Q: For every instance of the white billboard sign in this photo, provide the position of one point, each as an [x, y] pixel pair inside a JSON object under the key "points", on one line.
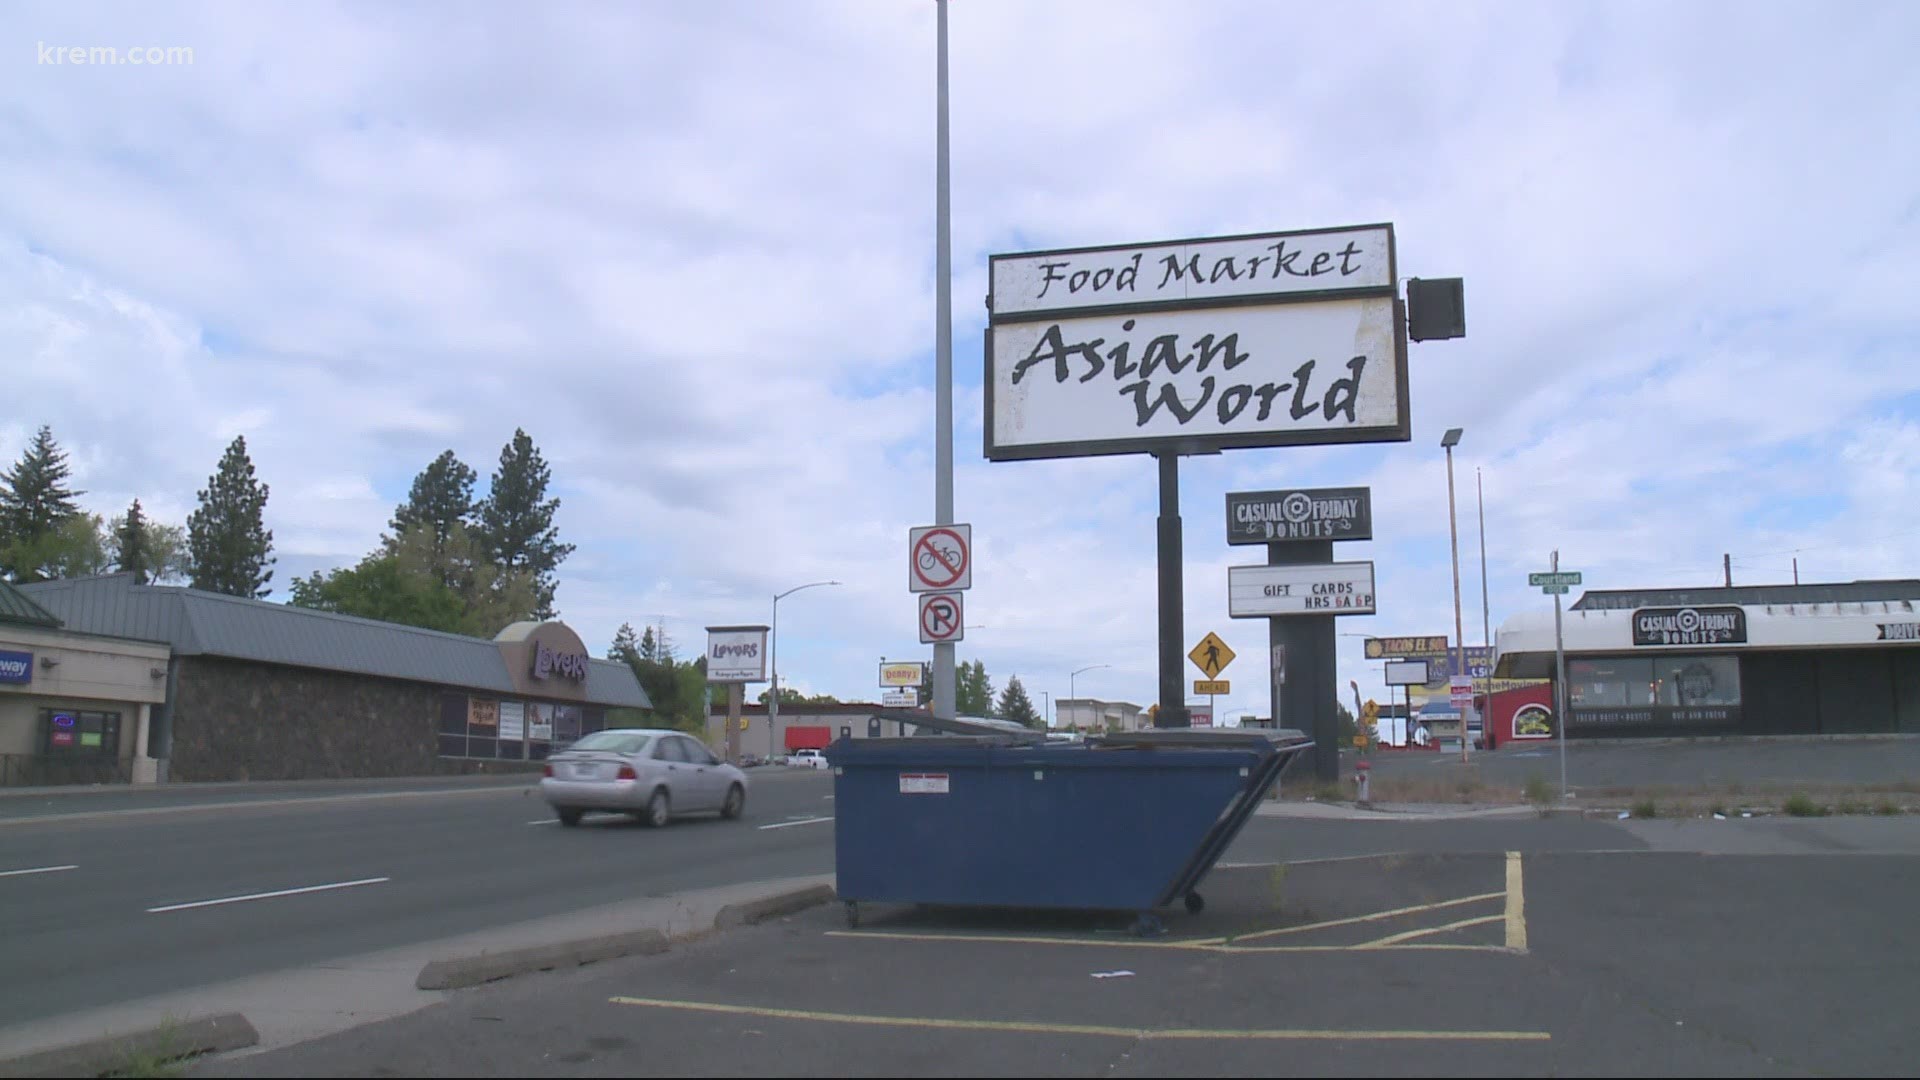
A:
{"points": [[736, 654], [1406, 673], [1261, 375], [1183, 272], [901, 699], [1341, 588]]}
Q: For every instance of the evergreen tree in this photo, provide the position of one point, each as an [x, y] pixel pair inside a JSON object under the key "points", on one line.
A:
{"points": [[132, 554], [34, 502], [440, 502], [972, 690], [232, 549], [625, 645], [516, 519], [1016, 706]]}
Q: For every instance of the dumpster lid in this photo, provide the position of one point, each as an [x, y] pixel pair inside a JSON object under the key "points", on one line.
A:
{"points": [[1202, 737], [977, 728]]}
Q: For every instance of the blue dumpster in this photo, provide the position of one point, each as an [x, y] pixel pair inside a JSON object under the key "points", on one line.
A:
{"points": [[1130, 823]]}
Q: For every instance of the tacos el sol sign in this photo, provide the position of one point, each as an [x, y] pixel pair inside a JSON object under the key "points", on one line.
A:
{"points": [[1725, 625]]}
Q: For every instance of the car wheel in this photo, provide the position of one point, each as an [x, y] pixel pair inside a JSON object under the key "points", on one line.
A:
{"points": [[569, 816], [659, 810], [736, 803]]}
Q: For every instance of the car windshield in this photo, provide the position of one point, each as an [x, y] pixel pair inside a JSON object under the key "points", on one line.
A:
{"points": [[614, 742]]}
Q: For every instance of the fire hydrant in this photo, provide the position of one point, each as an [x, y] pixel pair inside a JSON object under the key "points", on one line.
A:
{"points": [[1360, 776]]}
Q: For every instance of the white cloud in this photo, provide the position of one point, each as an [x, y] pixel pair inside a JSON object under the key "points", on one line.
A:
{"points": [[688, 248]]}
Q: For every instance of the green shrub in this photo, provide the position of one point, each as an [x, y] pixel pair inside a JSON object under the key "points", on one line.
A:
{"points": [[1799, 804], [1646, 808]]}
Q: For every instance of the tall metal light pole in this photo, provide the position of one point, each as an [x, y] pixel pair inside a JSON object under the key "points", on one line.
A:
{"points": [[943, 696], [1448, 442], [1486, 617], [773, 658], [1076, 674]]}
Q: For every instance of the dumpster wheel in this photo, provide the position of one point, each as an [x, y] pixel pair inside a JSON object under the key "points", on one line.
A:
{"points": [[853, 914], [1196, 903]]}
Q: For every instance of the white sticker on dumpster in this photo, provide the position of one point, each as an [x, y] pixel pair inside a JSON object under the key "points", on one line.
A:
{"points": [[923, 783]]}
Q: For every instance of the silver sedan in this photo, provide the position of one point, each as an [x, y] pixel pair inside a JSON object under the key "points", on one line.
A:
{"points": [[653, 774]]}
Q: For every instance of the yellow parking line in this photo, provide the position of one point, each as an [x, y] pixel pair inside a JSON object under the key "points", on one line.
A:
{"points": [[1109, 1031], [1212, 945], [1376, 916], [1395, 939], [1516, 905]]}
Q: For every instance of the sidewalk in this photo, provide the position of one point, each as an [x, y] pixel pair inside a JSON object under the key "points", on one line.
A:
{"points": [[1387, 811]]}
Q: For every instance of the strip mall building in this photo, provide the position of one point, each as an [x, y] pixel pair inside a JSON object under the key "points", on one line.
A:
{"points": [[1749, 660], [104, 679]]}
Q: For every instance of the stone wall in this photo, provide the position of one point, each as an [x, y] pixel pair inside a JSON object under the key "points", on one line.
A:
{"points": [[238, 720]]}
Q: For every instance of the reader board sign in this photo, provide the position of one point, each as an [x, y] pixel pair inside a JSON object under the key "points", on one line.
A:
{"points": [[901, 699], [1266, 517], [1341, 588], [1406, 673], [923, 783], [736, 654], [1272, 340]]}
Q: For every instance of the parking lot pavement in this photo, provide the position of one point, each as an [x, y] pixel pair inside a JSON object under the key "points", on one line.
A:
{"points": [[1494, 963], [1689, 764]]}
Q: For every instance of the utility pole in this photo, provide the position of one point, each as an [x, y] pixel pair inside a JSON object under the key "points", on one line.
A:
{"points": [[943, 703], [1726, 565]]}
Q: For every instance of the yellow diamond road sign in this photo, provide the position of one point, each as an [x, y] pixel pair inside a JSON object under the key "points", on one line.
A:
{"points": [[1211, 655]]}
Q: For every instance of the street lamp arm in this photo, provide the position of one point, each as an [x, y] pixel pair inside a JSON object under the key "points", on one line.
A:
{"points": [[777, 597]]}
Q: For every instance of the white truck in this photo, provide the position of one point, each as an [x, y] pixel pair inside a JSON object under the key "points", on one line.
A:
{"points": [[807, 759]]}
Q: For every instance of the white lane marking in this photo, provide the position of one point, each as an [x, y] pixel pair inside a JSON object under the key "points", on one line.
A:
{"points": [[802, 821], [545, 821], [39, 870], [268, 895]]}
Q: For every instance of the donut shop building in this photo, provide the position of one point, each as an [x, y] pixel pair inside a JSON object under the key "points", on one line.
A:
{"points": [[1817, 659]]}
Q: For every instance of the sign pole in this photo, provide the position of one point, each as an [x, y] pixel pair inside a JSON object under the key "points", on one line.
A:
{"points": [[735, 692], [943, 689], [1560, 683], [1173, 699]]}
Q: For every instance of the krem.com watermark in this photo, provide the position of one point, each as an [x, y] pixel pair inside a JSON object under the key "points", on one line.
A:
{"points": [[151, 55]]}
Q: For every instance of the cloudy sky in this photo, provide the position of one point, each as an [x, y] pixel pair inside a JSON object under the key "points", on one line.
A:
{"points": [[689, 247]]}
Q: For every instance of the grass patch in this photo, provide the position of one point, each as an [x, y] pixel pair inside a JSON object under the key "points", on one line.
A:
{"points": [[1887, 808], [1646, 808], [161, 1056], [1799, 804], [1538, 792], [1325, 792]]}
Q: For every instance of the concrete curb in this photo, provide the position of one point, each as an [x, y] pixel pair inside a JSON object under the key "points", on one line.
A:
{"points": [[474, 970], [772, 907], [207, 1035], [458, 972]]}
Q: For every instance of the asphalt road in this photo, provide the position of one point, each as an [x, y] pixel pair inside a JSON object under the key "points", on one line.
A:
{"points": [[1559, 962], [79, 878]]}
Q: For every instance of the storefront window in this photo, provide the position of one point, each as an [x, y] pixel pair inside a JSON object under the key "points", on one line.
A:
{"points": [[71, 733], [1697, 680], [1610, 683]]}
